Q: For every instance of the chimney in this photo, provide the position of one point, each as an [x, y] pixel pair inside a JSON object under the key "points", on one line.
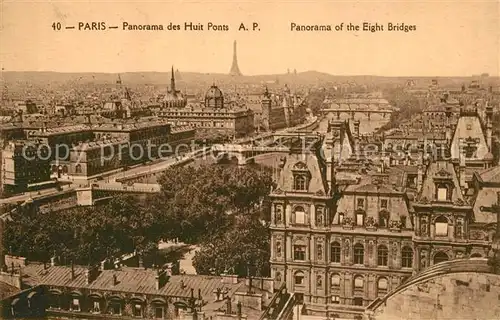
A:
{"points": [[228, 305], [461, 169], [161, 279], [52, 261], [238, 307], [115, 280], [489, 126], [72, 270], [91, 273]]}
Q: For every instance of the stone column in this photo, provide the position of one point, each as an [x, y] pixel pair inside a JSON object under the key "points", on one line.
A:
{"points": [[288, 247], [311, 252], [312, 215], [288, 214]]}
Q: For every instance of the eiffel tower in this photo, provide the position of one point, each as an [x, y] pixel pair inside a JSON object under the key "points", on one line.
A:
{"points": [[235, 71]]}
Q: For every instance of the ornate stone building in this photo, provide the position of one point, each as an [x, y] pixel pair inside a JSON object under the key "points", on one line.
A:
{"points": [[212, 117], [343, 235]]}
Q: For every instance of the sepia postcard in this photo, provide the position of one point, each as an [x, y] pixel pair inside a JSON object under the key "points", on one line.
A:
{"points": [[241, 160]]}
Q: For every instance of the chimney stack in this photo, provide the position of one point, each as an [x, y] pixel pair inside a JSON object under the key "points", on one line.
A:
{"points": [[115, 280], [52, 261], [72, 270], [463, 184], [161, 279], [238, 306], [228, 305]]}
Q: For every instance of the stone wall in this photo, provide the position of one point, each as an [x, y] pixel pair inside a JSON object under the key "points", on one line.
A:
{"points": [[466, 295]]}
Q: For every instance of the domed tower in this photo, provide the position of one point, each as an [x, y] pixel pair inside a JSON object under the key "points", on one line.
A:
{"points": [[214, 98]]}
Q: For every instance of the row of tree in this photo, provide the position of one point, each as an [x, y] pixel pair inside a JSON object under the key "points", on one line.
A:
{"points": [[220, 208]]}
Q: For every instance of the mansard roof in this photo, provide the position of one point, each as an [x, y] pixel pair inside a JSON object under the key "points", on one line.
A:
{"points": [[440, 171], [309, 162], [491, 175]]}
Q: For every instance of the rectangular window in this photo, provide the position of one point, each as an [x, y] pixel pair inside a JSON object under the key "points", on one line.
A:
{"points": [[403, 221], [300, 217], [75, 305], [361, 203], [299, 253], [97, 307], [383, 204], [442, 194], [115, 308], [137, 310], [358, 301], [441, 228], [360, 219], [341, 218], [159, 313], [335, 299]]}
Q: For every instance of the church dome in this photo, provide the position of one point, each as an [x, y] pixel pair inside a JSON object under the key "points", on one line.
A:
{"points": [[214, 98]]}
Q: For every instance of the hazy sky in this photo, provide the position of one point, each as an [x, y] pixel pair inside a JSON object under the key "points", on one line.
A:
{"points": [[452, 37]]}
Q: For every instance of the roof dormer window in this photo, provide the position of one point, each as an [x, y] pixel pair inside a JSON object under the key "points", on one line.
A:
{"points": [[443, 192], [301, 177]]}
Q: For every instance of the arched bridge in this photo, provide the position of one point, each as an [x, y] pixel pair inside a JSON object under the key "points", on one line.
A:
{"points": [[243, 153], [356, 114]]}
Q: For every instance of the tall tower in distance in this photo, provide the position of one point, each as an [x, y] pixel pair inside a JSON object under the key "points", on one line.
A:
{"points": [[235, 70], [172, 83]]}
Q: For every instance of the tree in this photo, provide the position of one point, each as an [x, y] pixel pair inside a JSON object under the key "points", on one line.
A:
{"points": [[194, 204], [247, 242], [84, 234]]}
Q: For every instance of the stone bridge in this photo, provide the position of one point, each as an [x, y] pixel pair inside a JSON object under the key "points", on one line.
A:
{"points": [[244, 153], [356, 114]]}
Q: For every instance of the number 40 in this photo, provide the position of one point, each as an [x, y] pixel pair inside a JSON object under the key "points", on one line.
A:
{"points": [[56, 26]]}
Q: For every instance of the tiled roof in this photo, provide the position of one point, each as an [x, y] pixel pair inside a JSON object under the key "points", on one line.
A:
{"points": [[7, 290], [491, 175], [486, 197], [131, 280]]}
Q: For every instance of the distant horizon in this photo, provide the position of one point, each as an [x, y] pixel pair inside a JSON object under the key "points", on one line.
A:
{"points": [[477, 75], [450, 39]]}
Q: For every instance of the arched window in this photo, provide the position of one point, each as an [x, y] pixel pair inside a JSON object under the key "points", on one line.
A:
{"points": [[78, 168], [382, 286], [335, 280], [359, 282], [441, 226], [300, 215], [299, 183], [382, 255], [407, 257], [335, 252], [299, 278], [440, 257], [54, 168], [359, 254], [65, 169]]}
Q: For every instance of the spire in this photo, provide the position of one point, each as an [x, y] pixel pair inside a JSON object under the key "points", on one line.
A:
{"points": [[172, 82], [235, 70]]}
